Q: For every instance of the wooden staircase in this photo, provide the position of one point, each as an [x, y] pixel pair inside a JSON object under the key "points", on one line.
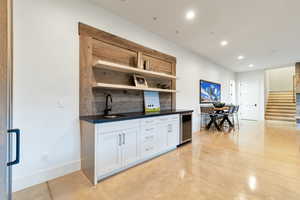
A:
{"points": [[281, 106]]}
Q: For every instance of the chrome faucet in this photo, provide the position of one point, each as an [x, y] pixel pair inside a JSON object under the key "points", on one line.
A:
{"points": [[108, 104]]}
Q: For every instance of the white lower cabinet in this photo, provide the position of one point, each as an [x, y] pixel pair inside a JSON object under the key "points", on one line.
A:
{"points": [[168, 132], [116, 150], [130, 152], [173, 133], [126, 143], [108, 152], [162, 137]]}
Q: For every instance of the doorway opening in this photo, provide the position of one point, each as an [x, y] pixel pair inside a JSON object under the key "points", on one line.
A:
{"points": [[280, 93]]}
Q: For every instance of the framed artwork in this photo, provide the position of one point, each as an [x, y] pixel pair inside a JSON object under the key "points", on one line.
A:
{"points": [[140, 81], [151, 101], [209, 92]]}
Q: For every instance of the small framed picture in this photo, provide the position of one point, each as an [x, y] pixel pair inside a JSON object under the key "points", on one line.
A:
{"points": [[140, 81]]}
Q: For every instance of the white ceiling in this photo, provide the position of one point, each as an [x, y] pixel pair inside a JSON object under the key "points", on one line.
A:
{"points": [[266, 32]]}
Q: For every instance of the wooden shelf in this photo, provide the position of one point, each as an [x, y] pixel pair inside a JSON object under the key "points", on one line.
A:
{"points": [[127, 87], [123, 68]]}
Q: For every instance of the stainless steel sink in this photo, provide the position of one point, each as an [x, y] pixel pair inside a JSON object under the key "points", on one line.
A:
{"points": [[112, 116]]}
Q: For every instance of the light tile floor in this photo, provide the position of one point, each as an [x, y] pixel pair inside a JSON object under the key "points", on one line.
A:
{"points": [[260, 161]]}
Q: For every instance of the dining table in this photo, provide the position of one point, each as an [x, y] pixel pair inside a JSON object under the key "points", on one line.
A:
{"points": [[225, 117], [225, 108]]}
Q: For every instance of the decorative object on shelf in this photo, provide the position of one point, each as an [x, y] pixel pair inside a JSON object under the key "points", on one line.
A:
{"points": [[139, 63], [140, 81], [209, 92], [151, 101], [146, 64], [163, 86]]}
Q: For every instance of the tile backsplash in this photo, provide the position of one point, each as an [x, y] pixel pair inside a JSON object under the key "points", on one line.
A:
{"points": [[126, 101]]}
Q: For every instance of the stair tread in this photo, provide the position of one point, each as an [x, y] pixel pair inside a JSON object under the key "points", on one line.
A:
{"points": [[281, 94], [279, 98], [287, 94], [281, 111], [288, 91], [282, 100], [279, 115], [281, 106], [280, 118], [281, 103]]}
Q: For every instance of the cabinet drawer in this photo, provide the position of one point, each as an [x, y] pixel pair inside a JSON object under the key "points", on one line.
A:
{"points": [[150, 138], [148, 129], [148, 121], [174, 117], [163, 119], [148, 149], [117, 126], [167, 118]]}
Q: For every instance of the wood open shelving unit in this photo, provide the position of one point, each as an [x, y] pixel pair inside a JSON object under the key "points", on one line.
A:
{"points": [[128, 87], [107, 65], [102, 64]]}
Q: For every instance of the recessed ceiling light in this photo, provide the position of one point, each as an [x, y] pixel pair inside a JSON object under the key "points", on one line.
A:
{"points": [[224, 43], [240, 57], [190, 15], [251, 65]]}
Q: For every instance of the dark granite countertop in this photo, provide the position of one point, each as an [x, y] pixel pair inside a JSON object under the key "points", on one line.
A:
{"points": [[95, 119]]}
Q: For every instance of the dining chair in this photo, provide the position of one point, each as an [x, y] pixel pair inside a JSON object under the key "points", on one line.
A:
{"points": [[209, 114], [205, 112], [230, 114], [236, 115]]}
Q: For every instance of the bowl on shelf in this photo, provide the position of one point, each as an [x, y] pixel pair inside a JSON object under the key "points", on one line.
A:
{"points": [[218, 104]]}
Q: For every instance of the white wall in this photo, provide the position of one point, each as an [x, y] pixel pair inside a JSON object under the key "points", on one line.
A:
{"points": [[259, 76], [280, 79], [46, 86]]}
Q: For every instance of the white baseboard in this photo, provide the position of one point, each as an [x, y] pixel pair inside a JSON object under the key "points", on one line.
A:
{"points": [[42, 176]]}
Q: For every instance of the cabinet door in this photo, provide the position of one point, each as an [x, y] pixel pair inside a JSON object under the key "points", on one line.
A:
{"points": [[130, 146], [162, 137], [173, 133], [108, 152]]}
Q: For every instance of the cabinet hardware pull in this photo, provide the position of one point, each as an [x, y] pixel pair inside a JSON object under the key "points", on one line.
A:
{"points": [[123, 138], [120, 142], [149, 137], [17, 132]]}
